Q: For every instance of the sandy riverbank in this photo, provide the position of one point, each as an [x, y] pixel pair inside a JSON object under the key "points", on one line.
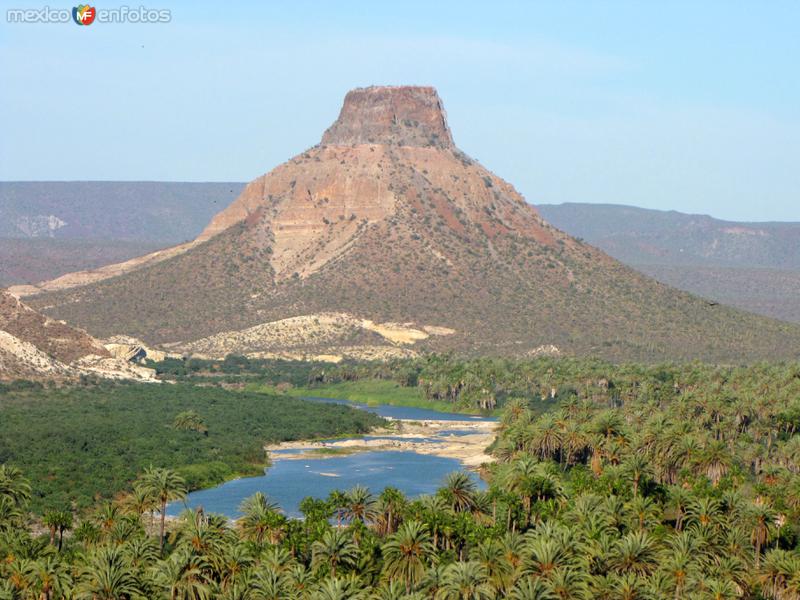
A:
{"points": [[404, 435]]}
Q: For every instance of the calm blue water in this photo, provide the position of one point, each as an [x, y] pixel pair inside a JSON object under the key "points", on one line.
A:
{"points": [[287, 482], [404, 412]]}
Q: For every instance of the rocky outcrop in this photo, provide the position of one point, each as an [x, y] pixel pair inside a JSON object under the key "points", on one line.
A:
{"points": [[304, 336], [22, 360], [393, 116], [132, 350], [55, 338], [112, 368], [33, 346]]}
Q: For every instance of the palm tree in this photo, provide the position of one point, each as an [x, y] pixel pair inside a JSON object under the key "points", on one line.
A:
{"points": [[139, 501], [140, 552], [705, 511], [164, 485], [530, 588], [337, 501], [635, 553], [777, 571], [489, 553], [435, 512], [260, 518], [645, 512], [14, 486], [107, 576], [716, 589], [334, 550], [185, 576], [202, 535], [520, 479], [337, 589], [638, 467], [407, 553], [568, 584], [545, 440], [391, 502], [268, 584], [459, 491], [11, 515], [715, 461], [19, 575], [544, 554], [602, 587], [360, 505], [57, 521], [761, 518], [465, 581], [106, 516], [629, 586], [87, 534], [191, 421], [51, 578], [680, 563]]}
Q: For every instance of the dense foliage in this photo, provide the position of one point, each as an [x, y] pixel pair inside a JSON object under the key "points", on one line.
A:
{"points": [[488, 383], [235, 369], [645, 483], [77, 443]]}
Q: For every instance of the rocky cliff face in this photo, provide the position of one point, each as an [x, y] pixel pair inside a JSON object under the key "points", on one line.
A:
{"points": [[394, 116], [386, 221]]}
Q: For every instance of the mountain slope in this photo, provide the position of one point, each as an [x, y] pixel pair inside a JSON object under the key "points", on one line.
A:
{"points": [[642, 236], [386, 220], [27, 261], [752, 266]]}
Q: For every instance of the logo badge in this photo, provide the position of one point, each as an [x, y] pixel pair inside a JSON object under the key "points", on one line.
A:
{"points": [[83, 14]]}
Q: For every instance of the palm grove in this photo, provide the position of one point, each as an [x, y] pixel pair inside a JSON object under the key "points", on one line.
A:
{"points": [[643, 482]]}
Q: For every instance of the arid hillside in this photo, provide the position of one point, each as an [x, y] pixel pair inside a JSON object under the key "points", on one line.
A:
{"points": [[33, 346], [387, 221]]}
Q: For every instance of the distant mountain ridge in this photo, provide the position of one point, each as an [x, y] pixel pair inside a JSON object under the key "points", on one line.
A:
{"points": [[141, 211], [51, 228], [642, 236], [386, 236], [752, 266]]}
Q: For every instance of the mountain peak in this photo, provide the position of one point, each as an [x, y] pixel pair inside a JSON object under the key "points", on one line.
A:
{"points": [[391, 115]]}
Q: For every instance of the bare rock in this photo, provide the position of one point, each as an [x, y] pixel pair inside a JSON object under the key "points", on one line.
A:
{"points": [[392, 115]]}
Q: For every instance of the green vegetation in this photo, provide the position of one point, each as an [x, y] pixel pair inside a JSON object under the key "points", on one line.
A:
{"points": [[334, 451], [376, 391], [78, 443], [646, 483], [443, 382], [235, 369], [369, 391]]}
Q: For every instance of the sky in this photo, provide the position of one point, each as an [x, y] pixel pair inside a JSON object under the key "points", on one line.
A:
{"points": [[688, 106]]}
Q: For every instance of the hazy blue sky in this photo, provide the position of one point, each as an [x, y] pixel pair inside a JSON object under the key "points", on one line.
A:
{"points": [[693, 107]]}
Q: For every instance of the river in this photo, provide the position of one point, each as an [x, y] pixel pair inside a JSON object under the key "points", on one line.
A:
{"points": [[415, 458]]}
